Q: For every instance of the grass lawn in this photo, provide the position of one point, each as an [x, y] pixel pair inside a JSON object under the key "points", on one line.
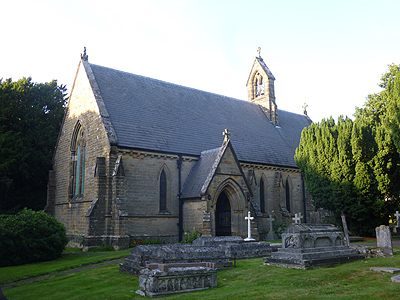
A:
{"points": [[66, 262], [250, 280]]}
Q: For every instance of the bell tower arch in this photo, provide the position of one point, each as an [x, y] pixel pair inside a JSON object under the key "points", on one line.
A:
{"points": [[261, 90]]}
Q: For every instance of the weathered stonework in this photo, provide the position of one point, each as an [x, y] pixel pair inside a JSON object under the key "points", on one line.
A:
{"points": [[122, 186], [307, 246], [162, 280]]}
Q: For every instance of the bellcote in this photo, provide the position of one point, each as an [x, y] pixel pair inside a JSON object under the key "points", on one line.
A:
{"points": [[260, 88]]}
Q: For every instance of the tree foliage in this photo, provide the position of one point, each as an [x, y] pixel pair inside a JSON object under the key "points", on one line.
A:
{"points": [[30, 119], [353, 166]]}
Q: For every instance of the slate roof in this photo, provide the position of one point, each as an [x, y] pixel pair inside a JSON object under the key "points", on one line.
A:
{"points": [[200, 172], [154, 115]]}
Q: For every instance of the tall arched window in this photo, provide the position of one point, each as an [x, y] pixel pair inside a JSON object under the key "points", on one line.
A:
{"points": [[78, 161], [163, 191], [287, 192], [262, 195]]}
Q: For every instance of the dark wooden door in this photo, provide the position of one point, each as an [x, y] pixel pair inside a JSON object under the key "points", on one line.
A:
{"points": [[223, 216]]}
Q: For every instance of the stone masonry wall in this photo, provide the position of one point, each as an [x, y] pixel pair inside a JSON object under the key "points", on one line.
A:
{"points": [[81, 107], [141, 194]]}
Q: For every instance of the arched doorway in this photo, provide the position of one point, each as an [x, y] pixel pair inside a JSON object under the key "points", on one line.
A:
{"points": [[223, 216]]}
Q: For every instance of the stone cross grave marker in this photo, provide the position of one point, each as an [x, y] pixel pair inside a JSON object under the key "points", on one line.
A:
{"points": [[397, 215], [297, 218], [249, 218], [270, 235]]}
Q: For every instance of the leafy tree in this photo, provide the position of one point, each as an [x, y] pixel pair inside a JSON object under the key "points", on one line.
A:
{"points": [[30, 119], [353, 166]]}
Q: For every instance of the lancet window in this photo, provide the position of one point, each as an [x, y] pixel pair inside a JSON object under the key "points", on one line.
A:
{"points": [[78, 161]]}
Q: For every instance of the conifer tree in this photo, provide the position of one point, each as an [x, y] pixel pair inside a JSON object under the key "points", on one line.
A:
{"points": [[353, 166]]}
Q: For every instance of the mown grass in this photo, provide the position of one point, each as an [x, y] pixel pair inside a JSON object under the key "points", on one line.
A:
{"points": [[66, 262], [250, 280]]}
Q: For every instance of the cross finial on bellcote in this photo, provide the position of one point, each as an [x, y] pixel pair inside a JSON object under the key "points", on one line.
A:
{"points": [[84, 56], [305, 109], [226, 133], [259, 52]]}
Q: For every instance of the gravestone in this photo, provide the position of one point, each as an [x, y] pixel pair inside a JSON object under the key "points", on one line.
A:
{"points": [[384, 239], [220, 250], [142, 255], [297, 218], [271, 234], [307, 246], [166, 279], [249, 218], [235, 247], [396, 228]]}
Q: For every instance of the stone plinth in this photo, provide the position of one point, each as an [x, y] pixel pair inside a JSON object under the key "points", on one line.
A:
{"points": [[307, 246], [173, 280]]}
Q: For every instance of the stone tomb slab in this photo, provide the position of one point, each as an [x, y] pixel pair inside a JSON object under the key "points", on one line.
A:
{"points": [[385, 269], [235, 247], [142, 255], [396, 279], [307, 246], [167, 279], [219, 250]]}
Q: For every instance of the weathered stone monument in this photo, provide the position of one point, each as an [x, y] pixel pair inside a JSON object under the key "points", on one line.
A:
{"points": [[307, 246], [384, 239], [221, 250], [271, 234], [297, 218], [166, 279], [249, 218], [396, 228]]}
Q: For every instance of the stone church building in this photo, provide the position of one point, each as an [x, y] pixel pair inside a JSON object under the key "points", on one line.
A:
{"points": [[139, 158]]}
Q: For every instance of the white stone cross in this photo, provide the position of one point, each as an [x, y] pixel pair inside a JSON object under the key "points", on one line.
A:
{"points": [[297, 218], [397, 215], [249, 218]]}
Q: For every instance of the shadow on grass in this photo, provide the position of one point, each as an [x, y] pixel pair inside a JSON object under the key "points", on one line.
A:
{"points": [[250, 279]]}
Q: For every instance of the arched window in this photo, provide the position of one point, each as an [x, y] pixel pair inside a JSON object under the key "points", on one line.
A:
{"points": [[78, 161], [163, 191], [262, 195], [259, 85], [287, 192]]}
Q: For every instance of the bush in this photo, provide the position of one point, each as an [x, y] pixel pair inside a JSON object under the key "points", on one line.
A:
{"points": [[30, 236], [134, 243], [189, 237]]}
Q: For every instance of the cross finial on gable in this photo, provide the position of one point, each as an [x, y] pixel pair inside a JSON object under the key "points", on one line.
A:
{"points": [[259, 52], [84, 56], [226, 133]]}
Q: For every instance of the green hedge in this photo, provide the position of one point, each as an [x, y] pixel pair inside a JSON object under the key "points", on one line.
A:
{"points": [[30, 236]]}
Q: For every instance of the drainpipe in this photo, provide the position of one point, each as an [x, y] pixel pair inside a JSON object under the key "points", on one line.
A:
{"points": [[180, 222], [304, 198]]}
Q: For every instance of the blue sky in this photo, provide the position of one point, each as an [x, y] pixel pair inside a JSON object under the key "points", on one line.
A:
{"points": [[329, 54]]}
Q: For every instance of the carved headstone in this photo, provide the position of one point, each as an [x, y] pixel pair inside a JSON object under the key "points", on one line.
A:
{"points": [[384, 239]]}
